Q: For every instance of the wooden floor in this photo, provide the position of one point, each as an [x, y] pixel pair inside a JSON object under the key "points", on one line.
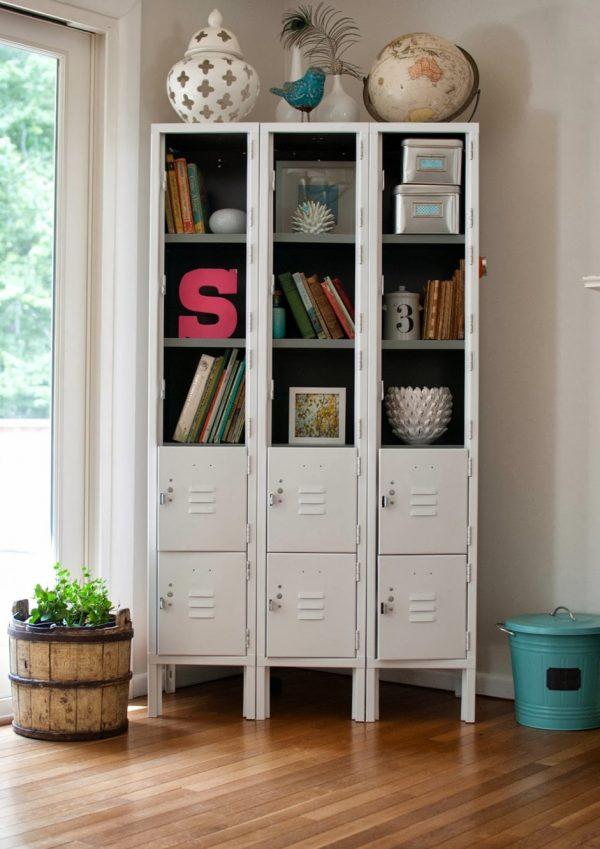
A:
{"points": [[202, 777]]}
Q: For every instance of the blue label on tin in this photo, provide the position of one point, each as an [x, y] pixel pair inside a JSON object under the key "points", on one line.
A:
{"points": [[427, 210], [432, 163]]}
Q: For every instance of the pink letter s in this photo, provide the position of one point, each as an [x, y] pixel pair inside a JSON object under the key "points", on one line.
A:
{"points": [[190, 295]]}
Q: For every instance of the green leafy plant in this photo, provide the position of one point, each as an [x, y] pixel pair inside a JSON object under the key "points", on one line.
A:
{"points": [[72, 602], [324, 34]]}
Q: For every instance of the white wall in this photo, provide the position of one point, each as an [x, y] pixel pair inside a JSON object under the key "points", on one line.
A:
{"points": [[540, 187]]}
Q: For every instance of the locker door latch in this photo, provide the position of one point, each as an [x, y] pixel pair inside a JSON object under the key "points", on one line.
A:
{"points": [[161, 603], [386, 608], [274, 605], [271, 499], [384, 501]]}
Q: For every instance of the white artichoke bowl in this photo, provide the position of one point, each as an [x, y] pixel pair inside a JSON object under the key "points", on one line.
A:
{"points": [[418, 416]]}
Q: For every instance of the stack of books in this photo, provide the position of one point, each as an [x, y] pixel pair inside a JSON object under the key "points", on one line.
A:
{"points": [[186, 204], [321, 309], [214, 410], [444, 307]]}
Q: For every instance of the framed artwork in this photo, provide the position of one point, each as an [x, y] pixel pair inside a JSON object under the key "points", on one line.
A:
{"points": [[331, 183], [317, 415]]}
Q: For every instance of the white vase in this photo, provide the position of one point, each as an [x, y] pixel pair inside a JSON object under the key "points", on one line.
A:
{"points": [[284, 112], [337, 105]]}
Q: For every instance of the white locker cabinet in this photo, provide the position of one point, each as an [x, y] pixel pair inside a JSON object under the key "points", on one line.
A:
{"points": [[202, 500], [312, 499], [311, 608], [423, 501], [422, 607], [202, 604]]}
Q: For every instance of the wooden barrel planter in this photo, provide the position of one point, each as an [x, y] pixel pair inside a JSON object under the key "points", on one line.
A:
{"points": [[69, 683]]}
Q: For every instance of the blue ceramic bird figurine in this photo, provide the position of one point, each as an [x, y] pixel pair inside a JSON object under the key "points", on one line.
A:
{"points": [[306, 93]]}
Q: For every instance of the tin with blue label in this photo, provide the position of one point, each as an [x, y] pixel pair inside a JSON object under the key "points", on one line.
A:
{"points": [[426, 209], [432, 161]]}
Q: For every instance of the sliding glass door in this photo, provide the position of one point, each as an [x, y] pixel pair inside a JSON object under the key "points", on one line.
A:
{"points": [[45, 88]]}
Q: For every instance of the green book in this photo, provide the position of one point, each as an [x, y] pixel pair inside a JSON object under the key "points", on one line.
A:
{"points": [[207, 396], [229, 375], [196, 181], [231, 400], [296, 306]]}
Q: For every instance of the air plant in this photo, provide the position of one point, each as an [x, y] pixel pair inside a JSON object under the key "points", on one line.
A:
{"points": [[324, 34]]}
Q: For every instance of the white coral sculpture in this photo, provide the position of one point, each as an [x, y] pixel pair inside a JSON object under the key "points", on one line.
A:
{"points": [[418, 416], [312, 217]]}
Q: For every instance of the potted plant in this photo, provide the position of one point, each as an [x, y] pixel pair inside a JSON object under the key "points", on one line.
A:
{"points": [[70, 661]]}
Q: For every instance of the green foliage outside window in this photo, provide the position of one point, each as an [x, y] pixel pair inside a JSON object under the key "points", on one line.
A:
{"points": [[27, 140]]}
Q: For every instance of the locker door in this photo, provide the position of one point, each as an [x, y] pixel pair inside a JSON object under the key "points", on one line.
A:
{"points": [[202, 604], [422, 607], [422, 501], [203, 494], [313, 499], [311, 605]]}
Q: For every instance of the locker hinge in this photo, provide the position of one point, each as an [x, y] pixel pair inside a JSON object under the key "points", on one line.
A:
{"points": [[469, 535], [250, 322], [360, 322], [362, 217], [362, 149], [382, 285], [272, 283], [247, 570], [273, 181], [471, 149], [357, 534], [251, 254], [272, 390], [163, 390], [471, 323], [248, 532], [471, 217], [471, 360], [468, 641], [163, 285], [251, 217], [250, 426], [357, 572], [359, 361], [358, 467], [248, 464], [359, 429], [382, 180], [471, 255], [249, 358], [164, 182], [251, 148], [468, 576], [247, 638], [357, 640], [470, 437], [381, 390], [360, 255]]}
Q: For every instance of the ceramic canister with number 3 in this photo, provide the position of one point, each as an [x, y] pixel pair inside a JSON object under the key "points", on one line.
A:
{"points": [[402, 319]]}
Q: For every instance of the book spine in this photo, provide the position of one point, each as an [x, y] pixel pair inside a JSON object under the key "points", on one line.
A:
{"points": [[188, 411], [338, 307], [174, 193], [300, 281], [211, 410], [197, 213], [344, 297], [426, 308], [296, 306], [215, 409], [239, 425], [169, 219], [206, 399], [227, 412], [461, 311], [232, 370], [184, 195], [435, 299], [311, 289], [235, 414], [333, 326]]}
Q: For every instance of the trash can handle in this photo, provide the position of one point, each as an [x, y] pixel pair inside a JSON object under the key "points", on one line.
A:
{"points": [[502, 627], [562, 607]]}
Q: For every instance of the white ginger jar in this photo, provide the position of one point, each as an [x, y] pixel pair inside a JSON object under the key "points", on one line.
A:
{"points": [[213, 82]]}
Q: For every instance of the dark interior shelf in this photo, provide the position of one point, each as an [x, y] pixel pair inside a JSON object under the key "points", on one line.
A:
{"points": [[422, 239], [423, 345], [205, 238], [316, 238], [313, 343], [205, 343]]}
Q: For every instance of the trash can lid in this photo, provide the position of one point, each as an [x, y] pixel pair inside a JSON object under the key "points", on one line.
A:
{"points": [[560, 622]]}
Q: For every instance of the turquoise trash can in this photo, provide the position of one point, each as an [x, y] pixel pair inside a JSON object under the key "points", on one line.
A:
{"points": [[556, 669]]}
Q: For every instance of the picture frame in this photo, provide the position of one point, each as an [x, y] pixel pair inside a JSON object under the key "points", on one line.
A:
{"points": [[317, 415], [329, 182]]}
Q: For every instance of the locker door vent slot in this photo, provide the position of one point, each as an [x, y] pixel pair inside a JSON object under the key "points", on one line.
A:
{"points": [[423, 501], [310, 605], [312, 500], [202, 499], [201, 604], [422, 607]]}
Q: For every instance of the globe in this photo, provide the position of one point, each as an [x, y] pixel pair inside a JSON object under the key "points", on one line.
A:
{"points": [[420, 77]]}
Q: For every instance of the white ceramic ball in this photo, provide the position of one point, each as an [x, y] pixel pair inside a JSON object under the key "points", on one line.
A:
{"points": [[227, 221]]}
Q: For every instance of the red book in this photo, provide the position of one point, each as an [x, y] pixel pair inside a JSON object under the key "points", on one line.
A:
{"points": [[185, 200], [344, 296], [338, 307]]}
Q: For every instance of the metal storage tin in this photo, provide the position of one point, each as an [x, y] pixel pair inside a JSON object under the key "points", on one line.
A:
{"points": [[556, 669], [429, 161], [426, 209]]}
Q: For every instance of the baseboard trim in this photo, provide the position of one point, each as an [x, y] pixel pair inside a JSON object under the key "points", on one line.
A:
{"points": [[6, 713], [185, 676], [496, 685]]}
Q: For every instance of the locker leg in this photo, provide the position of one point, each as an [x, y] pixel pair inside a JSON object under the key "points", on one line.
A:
{"points": [[249, 692], [155, 676], [372, 695], [358, 694], [467, 701], [170, 678], [263, 692]]}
